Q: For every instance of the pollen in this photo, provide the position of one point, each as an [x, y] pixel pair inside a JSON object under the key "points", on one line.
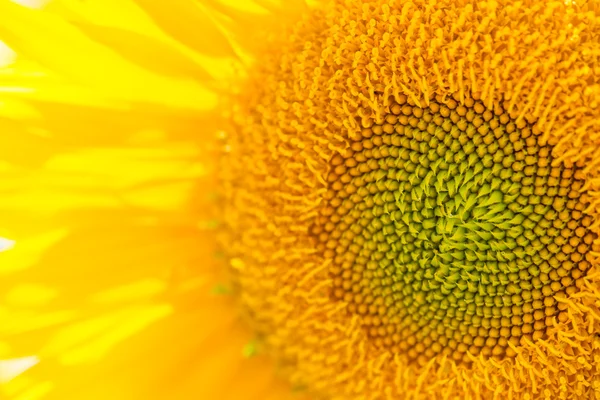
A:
{"points": [[410, 199]]}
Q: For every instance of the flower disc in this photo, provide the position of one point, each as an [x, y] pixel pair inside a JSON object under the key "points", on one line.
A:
{"points": [[450, 231], [411, 200]]}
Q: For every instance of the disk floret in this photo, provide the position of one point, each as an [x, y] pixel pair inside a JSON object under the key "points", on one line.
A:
{"points": [[451, 229]]}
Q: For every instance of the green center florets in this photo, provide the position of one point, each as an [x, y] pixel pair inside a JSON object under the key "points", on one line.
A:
{"points": [[451, 231]]}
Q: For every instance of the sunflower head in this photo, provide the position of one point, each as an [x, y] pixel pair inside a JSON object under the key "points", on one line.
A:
{"points": [[449, 230], [410, 198], [397, 199]]}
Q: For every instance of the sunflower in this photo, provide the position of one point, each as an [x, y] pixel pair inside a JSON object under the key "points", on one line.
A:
{"points": [[376, 199]]}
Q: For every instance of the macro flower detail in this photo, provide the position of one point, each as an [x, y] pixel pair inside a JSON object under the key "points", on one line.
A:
{"points": [[450, 231], [410, 202], [300, 199]]}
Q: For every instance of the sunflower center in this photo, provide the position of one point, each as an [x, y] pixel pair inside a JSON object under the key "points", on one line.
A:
{"points": [[451, 230]]}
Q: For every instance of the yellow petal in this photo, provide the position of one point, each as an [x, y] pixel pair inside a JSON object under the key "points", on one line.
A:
{"points": [[10, 369], [29, 295], [79, 59]]}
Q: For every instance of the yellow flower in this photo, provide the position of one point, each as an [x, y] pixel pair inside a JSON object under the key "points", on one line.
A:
{"points": [[377, 199], [110, 280]]}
